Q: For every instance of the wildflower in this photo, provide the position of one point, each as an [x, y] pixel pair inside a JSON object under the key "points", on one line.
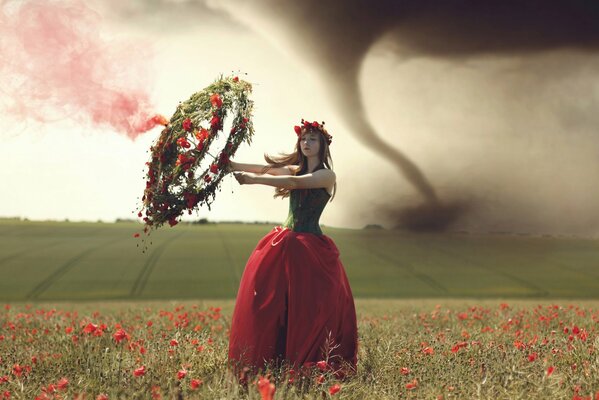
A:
{"points": [[62, 384], [334, 389], [550, 370], [412, 385], [102, 396], [140, 371], [322, 365], [266, 389], [532, 357], [90, 328], [195, 383], [120, 334], [174, 342], [182, 373], [404, 371]]}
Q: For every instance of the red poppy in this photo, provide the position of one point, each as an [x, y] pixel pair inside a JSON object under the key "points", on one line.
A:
{"points": [[102, 396], [266, 389], [136, 235], [120, 335], [140, 371], [62, 384], [214, 168], [532, 357], [315, 124], [412, 385], [90, 328], [334, 389], [216, 101], [207, 178], [236, 79], [181, 374], [174, 342], [322, 365], [404, 370], [173, 221], [187, 125], [17, 370], [298, 130], [195, 383], [550, 370], [214, 121]]}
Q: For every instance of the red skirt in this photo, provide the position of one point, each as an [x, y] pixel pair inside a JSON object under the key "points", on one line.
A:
{"points": [[294, 304]]}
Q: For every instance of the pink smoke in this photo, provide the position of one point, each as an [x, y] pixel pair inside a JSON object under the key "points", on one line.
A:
{"points": [[55, 64]]}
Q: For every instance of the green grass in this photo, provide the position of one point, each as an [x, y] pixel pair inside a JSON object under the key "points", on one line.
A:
{"points": [[45, 261], [408, 349]]}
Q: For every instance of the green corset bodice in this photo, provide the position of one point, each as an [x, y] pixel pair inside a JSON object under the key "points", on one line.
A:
{"points": [[305, 207]]}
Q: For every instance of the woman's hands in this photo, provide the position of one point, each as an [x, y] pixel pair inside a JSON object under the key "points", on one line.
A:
{"points": [[243, 178], [231, 166]]}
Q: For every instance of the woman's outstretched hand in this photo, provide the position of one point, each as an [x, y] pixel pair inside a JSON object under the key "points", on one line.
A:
{"points": [[231, 166], [242, 177]]}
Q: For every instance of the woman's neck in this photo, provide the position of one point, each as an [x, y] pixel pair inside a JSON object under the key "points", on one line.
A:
{"points": [[312, 164]]}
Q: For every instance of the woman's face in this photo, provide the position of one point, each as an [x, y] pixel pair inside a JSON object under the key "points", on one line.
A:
{"points": [[310, 143]]}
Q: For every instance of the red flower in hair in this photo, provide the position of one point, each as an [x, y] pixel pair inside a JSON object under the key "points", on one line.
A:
{"points": [[315, 124], [298, 130]]}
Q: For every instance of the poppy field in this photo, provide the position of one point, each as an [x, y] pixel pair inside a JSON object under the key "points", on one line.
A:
{"points": [[453, 349]]}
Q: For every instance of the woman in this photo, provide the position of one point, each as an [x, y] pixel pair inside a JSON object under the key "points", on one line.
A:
{"points": [[294, 302]]}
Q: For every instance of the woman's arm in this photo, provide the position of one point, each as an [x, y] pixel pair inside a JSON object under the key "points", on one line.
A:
{"points": [[317, 179], [257, 168]]}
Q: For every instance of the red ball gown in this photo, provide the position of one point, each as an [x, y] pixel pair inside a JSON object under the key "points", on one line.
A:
{"points": [[294, 302]]}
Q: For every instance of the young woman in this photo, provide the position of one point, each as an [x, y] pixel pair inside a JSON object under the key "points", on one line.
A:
{"points": [[294, 302]]}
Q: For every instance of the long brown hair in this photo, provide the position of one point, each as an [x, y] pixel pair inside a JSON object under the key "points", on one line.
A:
{"points": [[298, 158]]}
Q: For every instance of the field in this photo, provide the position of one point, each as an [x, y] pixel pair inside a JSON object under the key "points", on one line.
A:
{"points": [[454, 349], [95, 261], [86, 315]]}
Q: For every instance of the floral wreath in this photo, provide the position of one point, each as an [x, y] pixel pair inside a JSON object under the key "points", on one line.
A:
{"points": [[173, 184], [315, 126]]}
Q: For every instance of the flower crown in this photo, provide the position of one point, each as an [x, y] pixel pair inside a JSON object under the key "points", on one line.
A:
{"points": [[318, 126]]}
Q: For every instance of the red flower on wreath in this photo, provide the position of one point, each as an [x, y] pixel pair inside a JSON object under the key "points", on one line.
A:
{"points": [[207, 178], [214, 121], [298, 130], [183, 143], [216, 101], [191, 199], [187, 125], [173, 221], [214, 168], [236, 79]]}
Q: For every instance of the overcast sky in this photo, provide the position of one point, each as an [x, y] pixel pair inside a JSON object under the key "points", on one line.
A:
{"points": [[510, 132]]}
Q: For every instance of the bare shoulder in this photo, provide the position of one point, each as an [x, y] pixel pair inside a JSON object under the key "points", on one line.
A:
{"points": [[328, 174]]}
